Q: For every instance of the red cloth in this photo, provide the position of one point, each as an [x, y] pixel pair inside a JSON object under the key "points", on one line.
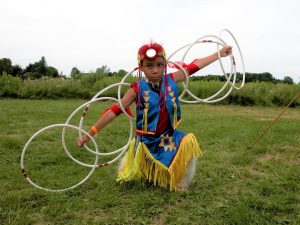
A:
{"points": [[191, 68], [116, 110], [163, 119]]}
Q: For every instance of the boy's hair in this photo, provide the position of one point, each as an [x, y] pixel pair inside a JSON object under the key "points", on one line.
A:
{"points": [[150, 51]]}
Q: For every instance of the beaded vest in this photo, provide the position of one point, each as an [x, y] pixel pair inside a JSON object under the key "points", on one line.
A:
{"points": [[148, 109]]}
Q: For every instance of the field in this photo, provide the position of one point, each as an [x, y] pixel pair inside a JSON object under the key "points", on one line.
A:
{"points": [[233, 184]]}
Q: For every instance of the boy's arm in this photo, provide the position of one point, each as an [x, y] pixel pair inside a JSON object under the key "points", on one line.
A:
{"points": [[199, 64], [108, 116]]}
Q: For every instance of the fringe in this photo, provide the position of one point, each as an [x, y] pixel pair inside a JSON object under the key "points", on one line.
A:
{"points": [[129, 170], [140, 164], [188, 149]]}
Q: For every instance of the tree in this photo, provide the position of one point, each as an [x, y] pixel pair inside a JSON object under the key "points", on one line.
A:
{"points": [[288, 80], [31, 71], [42, 66], [75, 72], [266, 77], [5, 65], [16, 71], [40, 69], [37, 69], [104, 70], [52, 72], [121, 73]]}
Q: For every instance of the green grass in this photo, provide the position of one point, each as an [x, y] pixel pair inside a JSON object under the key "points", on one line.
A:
{"points": [[233, 184]]}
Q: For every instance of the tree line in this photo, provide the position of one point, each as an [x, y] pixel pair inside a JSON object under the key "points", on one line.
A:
{"points": [[40, 69], [249, 77], [34, 70]]}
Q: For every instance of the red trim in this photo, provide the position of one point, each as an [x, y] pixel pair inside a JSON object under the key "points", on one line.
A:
{"points": [[102, 164], [141, 132]]}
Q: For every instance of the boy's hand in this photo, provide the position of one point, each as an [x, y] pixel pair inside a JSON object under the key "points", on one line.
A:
{"points": [[226, 51], [81, 142]]}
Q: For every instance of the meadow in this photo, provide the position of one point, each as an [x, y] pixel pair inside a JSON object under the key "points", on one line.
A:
{"points": [[233, 184]]}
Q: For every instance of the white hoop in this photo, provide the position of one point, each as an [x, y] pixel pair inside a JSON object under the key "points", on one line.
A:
{"points": [[85, 146], [36, 134], [119, 94], [241, 55], [228, 79]]}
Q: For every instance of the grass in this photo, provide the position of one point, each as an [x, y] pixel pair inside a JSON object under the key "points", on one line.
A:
{"points": [[233, 184]]}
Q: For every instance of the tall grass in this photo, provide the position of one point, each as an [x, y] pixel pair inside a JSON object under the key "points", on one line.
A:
{"points": [[259, 93], [10, 86]]}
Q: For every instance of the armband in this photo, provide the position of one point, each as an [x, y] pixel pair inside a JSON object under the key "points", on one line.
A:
{"points": [[94, 129], [116, 110], [192, 68]]}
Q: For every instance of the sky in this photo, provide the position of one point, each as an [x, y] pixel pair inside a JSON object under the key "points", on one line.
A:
{"points": [[91, 33]]}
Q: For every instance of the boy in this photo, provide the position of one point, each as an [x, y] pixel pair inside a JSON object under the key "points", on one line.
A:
{"points": [[159, 153]]}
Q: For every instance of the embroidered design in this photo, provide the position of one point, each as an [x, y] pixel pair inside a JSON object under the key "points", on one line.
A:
{"points": [[167, 142]]}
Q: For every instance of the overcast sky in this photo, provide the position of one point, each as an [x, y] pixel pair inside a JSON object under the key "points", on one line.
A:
{"points": [[91, 33]]}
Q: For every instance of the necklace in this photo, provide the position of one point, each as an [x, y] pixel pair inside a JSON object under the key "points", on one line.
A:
{"points": [[154, 85]]}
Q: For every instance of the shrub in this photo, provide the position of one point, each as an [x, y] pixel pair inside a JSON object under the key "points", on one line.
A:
{"points": [[254, 93]]}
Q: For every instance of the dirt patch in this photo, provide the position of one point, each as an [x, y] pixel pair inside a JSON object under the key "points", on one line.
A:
{"points": [[260, 113], [288, 157]]}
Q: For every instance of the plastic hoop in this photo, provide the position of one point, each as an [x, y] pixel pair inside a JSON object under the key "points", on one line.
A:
{"points": [[86, 147], [228, 79], [241, 55], [36, 134], [119, 94]]}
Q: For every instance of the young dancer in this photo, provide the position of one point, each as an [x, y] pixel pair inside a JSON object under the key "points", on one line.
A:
{"points": [[159, 153]]}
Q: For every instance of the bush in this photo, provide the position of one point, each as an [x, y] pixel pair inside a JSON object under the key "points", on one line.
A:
{"points": [[254, 93], [9, 86]]}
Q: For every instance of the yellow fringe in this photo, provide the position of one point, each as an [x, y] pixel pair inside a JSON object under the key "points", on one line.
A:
{"points": [[175, 116], [188, 149], [144, 165], [145, 119], [130, 170]]}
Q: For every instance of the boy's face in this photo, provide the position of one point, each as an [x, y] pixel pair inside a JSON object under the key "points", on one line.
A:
{"points": [[153, 69]]}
